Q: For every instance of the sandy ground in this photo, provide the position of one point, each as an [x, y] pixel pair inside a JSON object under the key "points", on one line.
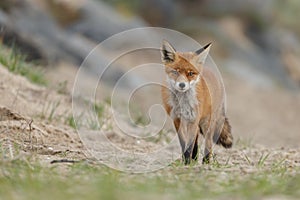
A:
{"points": [[269, 117], [34, 119]]}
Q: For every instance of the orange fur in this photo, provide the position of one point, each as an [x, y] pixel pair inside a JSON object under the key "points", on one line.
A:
{"points": [[209, 107]]}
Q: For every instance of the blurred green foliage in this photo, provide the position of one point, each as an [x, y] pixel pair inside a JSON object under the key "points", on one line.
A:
{"points": [[287, 14], [15, 62], [125, 7]]}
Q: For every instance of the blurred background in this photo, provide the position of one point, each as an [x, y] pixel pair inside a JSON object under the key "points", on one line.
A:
{"points": [[256, 45]]}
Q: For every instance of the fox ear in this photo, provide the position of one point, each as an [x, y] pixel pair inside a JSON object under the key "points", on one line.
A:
{"points": [[167, 52], [203, 53]]}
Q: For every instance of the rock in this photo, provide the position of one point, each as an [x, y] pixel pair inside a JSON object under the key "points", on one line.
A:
{"points": [[41, 38], [99, 21]]}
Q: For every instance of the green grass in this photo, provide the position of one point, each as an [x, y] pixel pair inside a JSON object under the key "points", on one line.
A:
{"points": [[286, 14], [49, 111], [125, 7], [26, 179], [70, 121], [100, 110], [15, 62]]}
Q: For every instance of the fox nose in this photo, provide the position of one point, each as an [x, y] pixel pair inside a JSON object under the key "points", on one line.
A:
{"points": [[181, 85]]}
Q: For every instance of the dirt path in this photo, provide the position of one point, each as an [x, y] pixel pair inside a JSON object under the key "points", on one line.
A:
{"points": [[34, 120]]}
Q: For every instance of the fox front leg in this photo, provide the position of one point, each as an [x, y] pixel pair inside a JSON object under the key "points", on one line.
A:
{"points": [[191, 152], [181, 132], [206, 128], [208, 147], [188, 134]]}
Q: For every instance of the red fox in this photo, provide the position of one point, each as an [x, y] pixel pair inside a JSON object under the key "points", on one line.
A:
{"points": [[194, 99]]}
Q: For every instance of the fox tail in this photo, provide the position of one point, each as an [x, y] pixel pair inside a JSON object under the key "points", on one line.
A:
{"points": [[225, 137]]}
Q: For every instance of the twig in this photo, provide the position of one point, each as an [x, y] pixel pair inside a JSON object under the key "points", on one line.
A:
{"points": [[64, 161]]}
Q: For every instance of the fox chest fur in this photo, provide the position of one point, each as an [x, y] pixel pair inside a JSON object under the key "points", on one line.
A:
{"points": [[183, 104]]}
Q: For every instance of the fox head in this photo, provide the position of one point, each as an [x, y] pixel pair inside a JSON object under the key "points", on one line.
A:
{"points": [[183, 69]]}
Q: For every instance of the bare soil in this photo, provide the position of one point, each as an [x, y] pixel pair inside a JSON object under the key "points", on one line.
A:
{"points": [[33, 120]]}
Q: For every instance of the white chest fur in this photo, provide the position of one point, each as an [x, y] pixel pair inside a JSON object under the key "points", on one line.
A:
{"points": [[184, 104]]}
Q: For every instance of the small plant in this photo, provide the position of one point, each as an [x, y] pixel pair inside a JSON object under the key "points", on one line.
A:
{"points": [[262, 159], [9, 150], [137, 116], [140, 120], [99, 109], [49, 110], [15, 62], [248, 159], [95, 119], [62, 87], [70, 121]]}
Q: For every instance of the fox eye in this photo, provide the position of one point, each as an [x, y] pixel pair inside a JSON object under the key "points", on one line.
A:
{"points": [[191, 73], [175, 72]]}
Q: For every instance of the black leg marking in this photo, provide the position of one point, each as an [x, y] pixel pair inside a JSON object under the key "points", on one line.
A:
{"points": [[195, 149], [205, 160], [187, 157]]}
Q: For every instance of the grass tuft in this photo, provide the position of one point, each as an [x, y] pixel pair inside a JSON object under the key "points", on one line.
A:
{"points": [[15, 62], [70, 121], [21, 178]]}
